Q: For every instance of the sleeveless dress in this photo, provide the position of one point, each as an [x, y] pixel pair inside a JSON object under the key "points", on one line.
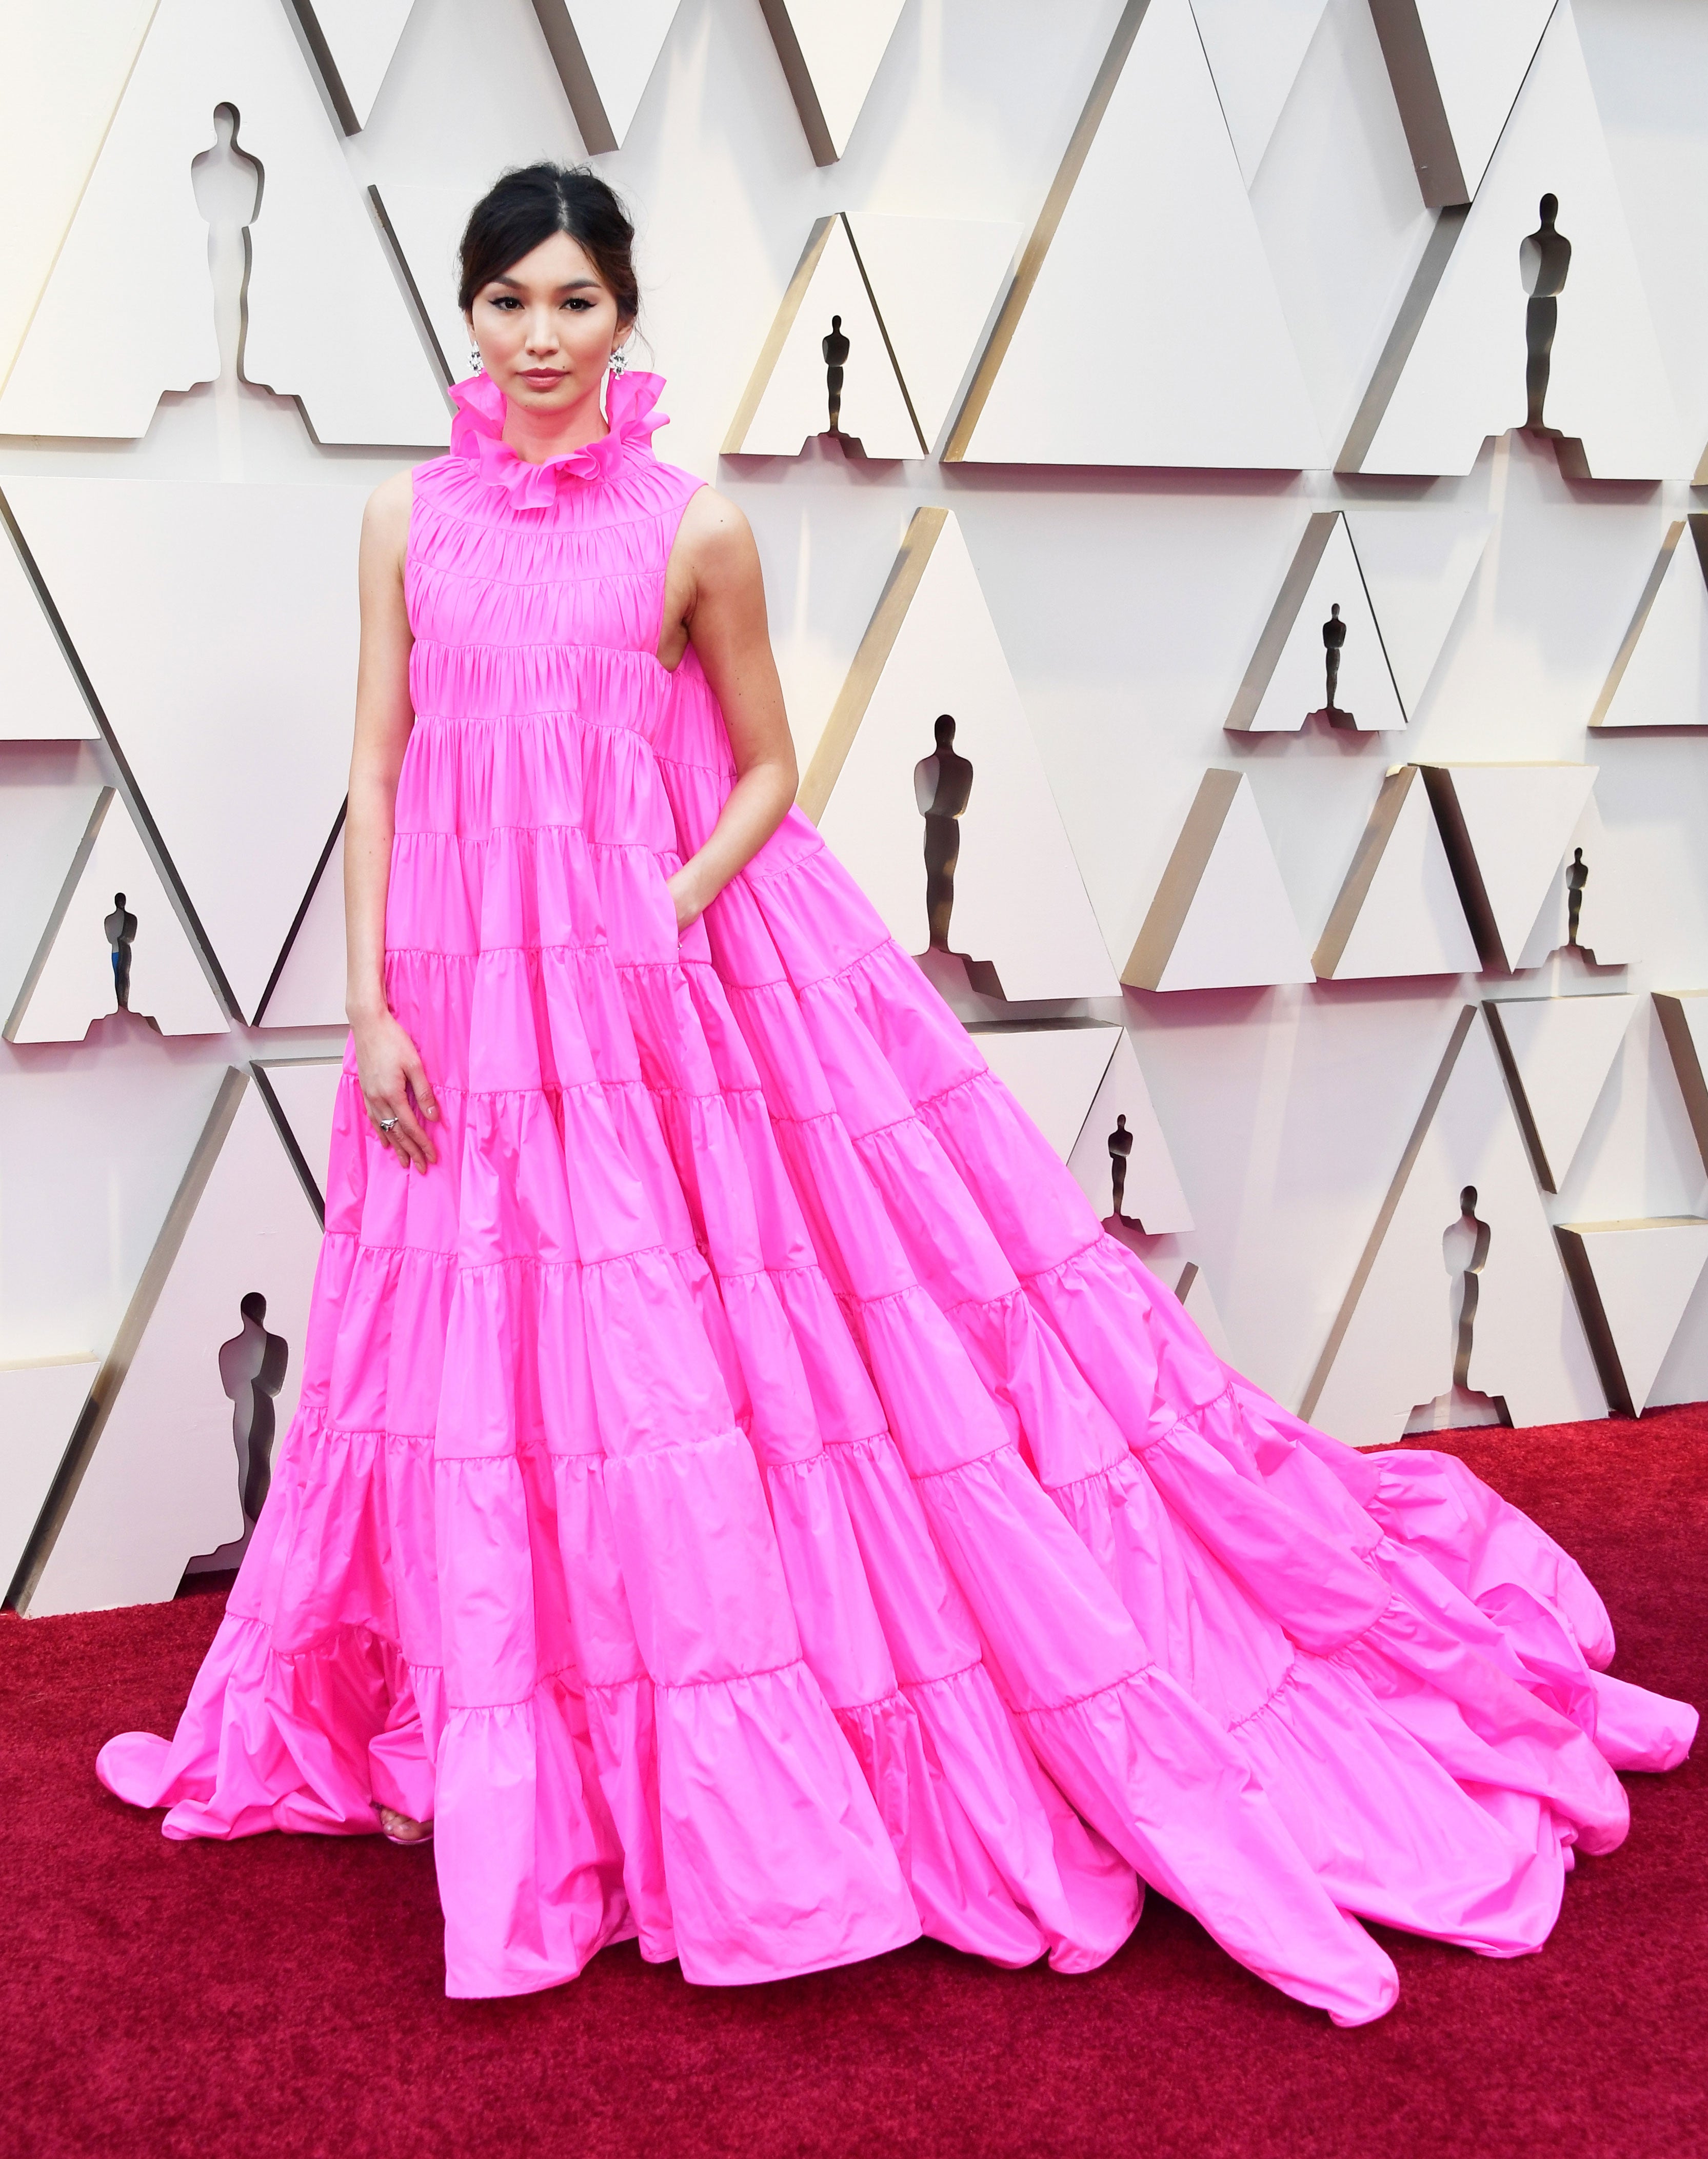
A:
{"points": [[742, 1497]]}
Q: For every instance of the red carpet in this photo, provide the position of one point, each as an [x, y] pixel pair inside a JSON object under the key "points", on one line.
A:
{"points": [[282, 1996]]}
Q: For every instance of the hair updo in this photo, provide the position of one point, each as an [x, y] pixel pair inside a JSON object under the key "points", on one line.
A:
{"points": [[527, 206]]}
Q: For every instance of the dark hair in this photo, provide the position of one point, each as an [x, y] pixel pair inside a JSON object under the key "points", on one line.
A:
{"points": [[527, 206]]}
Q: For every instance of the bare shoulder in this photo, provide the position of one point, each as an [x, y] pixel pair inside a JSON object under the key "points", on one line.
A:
{"points": [[386, 517], [717, 538]]}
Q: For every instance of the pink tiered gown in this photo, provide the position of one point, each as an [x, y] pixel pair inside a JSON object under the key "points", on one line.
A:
{"points": [[742, 1497]]}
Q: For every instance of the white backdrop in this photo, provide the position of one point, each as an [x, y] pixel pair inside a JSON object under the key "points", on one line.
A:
{"points": [[1130, 521]]}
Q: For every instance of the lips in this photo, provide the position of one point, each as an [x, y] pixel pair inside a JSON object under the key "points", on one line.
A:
{"points": [[542, 378]]}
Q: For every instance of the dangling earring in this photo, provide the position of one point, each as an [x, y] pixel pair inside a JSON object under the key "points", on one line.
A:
{"points": [[474, 362], [620, 360]]}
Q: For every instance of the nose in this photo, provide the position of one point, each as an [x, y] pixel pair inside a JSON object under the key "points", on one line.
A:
{"points": [[542, 331]]}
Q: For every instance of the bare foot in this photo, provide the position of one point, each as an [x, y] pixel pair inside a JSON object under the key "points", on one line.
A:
{"points": [[401, 1829]]}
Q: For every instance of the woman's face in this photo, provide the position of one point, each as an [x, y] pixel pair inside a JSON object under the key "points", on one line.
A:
{"points": [[547, 328]]}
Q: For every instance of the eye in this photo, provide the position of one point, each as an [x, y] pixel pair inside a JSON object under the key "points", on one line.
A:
{"points": [[507, 301], [578, 304]]}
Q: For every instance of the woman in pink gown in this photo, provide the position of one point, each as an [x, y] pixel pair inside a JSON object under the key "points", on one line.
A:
{"points": [[740, 1499]]}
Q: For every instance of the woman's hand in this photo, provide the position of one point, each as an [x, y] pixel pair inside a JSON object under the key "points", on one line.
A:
{"points": [[685, 897], [391, 1071]]}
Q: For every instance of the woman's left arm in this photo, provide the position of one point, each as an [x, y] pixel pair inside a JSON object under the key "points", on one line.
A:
{"points": [[715, 600]]}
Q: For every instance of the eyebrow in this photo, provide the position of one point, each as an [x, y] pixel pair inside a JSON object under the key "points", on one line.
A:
{"points": [[569, 285]]}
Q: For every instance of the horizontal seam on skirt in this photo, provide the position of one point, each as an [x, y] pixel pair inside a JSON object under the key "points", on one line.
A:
{"points": [[770, 874], [1103, 1471], [1289, 1677], [421, 565], [1061, 1266], [667, 763], [559, 825], [1187, 1416], [966, 1079], [941, 1679], [729, 1678], [448, 723], [862, 1442], [841, 974], [972, 1462], [1127, 1679]]}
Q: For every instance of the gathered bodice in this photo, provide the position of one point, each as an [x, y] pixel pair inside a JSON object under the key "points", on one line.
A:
{"points": [[536, 591]]}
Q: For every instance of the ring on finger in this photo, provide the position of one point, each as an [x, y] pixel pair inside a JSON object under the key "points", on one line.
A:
{"points": [[385, 1123]]}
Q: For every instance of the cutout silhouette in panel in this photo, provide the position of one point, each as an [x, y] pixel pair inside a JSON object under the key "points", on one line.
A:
{"points": [[1146, 257], [1120, 1157], [1633, 1281], [50, 793], [1529, 309], [353, 42], [935, 281], [1659, 675], [1506, 827], [1684, 1021], [826, 367], [1052, 1072], [40, 699], [1399, 911], [303, 1096], [1398, 1355], [309, 983], [906, 820], [186, 601], [65, 71], [156, 1482], [1254, 47], [1594, 904], [605, 52], [1456, 66], [40, 1405], [1221, 917], [830, 53], [139, 237], [1321, 657], [1417, 567], [114, 944], [1558, 1053]]}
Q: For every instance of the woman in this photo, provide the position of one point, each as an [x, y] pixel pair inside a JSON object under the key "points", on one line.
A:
{"points": [[740, 1499]]}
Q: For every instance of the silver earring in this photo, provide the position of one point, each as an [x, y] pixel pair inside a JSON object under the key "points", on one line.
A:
{"points": [[474, 360], [620, 360]]}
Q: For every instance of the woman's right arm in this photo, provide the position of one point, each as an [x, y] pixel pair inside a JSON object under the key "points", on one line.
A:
{"points": [[386, 1058]]}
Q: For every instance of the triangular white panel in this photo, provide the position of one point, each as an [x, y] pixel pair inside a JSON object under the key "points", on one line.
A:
{"points": [[1417, 568], [39, 1405], [1193, 1291], [1399, 911], [65, 69], [1221, 917], [1393, 1345], [936, 280], [1462, 378], [361, 36], [161, 1484], [1052, 1072], [73, 983], [1610, 900], [1659, 678], [788, 398], [1286, 682], [310, 988], [1643, 1274], [1456, 66], [306, 1093], [1151, 1192], [1684, 1020], [51, 806], [186, 601], [606, 60], [427, 221], [40, 700], [1507, 826], [831, 53], [139, 238], [1559, 1053], [1254, 47], [1147, 258], [1038, 931]]}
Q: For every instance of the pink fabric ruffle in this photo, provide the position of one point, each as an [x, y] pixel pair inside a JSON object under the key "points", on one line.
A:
{"points": [[741, 1496]]}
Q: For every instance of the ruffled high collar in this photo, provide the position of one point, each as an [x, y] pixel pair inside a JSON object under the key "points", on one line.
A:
{"points": [[477, 432]]}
